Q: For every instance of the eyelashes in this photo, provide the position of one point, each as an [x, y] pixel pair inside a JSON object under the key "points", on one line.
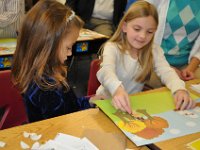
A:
{"points": [[68, 48]]}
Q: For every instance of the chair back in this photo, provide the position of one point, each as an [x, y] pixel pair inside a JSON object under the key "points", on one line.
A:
{"points": [[93, 82], [11, 103]]}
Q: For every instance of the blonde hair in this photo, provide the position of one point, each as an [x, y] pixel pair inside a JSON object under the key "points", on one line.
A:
{"points": [[36, 58], [136, 10]]}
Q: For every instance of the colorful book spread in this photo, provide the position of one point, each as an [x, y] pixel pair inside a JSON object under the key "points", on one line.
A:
{"points": [[154, 118], [7, 46], [7, 49]]}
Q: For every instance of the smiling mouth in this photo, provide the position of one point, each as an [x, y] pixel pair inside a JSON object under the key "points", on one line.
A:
{"points": [[140, 41]]}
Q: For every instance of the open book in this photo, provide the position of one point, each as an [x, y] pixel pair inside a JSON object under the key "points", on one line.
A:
{"points": [[7, 46], [154, 118]]}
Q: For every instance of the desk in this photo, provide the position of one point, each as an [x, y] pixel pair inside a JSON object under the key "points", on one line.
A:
{"points": [[73, 124], [76, 123], [87, 43]]}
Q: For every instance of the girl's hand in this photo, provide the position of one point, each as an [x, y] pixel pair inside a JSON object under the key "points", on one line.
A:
{"points": [[179, 73], [183, 100], [187, 74], [95, 97], [121, 100]]}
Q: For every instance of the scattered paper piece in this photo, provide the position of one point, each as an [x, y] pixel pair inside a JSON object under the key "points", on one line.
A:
{"points": [[26, 134], [196, 87], [88, 144], [69, 140], [51, 144], [64, 141], [61, 141], [2, 144], [35, 137], [24, 145], [35, 145]]}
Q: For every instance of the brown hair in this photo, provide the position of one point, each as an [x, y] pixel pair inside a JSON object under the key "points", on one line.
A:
{"points": [[136, 10], [37, 56]]}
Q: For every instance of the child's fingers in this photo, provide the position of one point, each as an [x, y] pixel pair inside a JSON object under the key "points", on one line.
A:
{"points": [[125, 103], [184, 104], [178, 103], [122, 104], [127, 106], [117, 104], [191, 104]]}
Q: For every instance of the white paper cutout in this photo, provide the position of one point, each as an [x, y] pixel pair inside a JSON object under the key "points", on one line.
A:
{"points": [[24, 145], [2, 144]]}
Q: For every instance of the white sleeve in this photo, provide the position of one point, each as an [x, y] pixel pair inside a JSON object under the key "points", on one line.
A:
{"points": [[107, 73], [11, 14], [167, 74], [195, 52]]}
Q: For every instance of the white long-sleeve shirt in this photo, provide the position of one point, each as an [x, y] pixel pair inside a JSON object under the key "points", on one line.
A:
{"points": [[11, 15], [121, 69]]}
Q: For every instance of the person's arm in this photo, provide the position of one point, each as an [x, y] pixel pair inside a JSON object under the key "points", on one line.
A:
{"points": [[108, 78], [194, 64], [172, 81], [42, 104], [11, 14], [83, 102], [107, 72], [121, 100], [167, 74], [52, 103], [188, 72]]}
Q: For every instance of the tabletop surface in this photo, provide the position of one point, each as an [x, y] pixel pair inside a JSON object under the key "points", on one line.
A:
{"points": [[72, 124], [8, 46], [75, 124]]}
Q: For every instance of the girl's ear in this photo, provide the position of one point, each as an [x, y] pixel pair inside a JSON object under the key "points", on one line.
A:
{"points": [[124, 27]]}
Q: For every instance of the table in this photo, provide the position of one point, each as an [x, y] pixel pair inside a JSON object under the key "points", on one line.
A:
{"points": [[87, 43], [73, 124]]}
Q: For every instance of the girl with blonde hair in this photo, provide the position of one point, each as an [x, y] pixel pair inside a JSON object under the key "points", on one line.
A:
{"points": [[129, 57]]}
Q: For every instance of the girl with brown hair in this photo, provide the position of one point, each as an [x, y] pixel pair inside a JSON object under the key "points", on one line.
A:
{"points": [[44, 43]]}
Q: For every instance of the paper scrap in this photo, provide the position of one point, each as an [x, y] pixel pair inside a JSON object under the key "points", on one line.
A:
{"points": [[63, 141], [2, 144], [24, 145], [196, 87]]}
